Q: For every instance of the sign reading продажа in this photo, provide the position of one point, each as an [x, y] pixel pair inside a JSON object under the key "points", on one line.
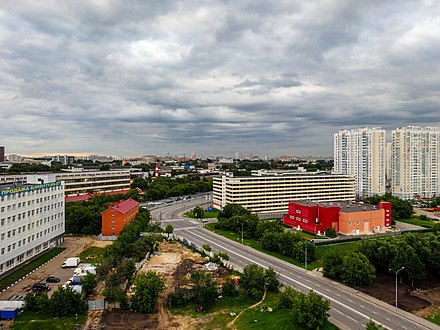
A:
{"points": [[24, 189]]}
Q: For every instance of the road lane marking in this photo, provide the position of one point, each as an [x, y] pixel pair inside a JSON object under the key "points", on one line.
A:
{"points": [[387, 319], [362, 306], [336, 310], [352, 319], [338, 294], [350, 300], [404, 327], [374, 312]]}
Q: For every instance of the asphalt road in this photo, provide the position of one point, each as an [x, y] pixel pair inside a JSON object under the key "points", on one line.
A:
{"points": [[350, 309]]}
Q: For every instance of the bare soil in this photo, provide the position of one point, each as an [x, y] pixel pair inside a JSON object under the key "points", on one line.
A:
{"points": [[420, 300]]}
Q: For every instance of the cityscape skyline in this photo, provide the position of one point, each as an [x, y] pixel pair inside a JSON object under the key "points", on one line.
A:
{"points": [[130, 78]]}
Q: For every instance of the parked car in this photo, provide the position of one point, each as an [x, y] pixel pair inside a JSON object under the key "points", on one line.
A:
{"points": [[52, 279], [40, 287]]}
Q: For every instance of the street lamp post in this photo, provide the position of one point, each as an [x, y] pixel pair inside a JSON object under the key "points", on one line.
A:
{"points": [[242, 223], [305, 247], [397, 272]]}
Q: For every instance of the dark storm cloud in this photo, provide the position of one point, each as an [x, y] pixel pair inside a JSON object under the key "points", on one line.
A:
{"points": [[212, 77]]}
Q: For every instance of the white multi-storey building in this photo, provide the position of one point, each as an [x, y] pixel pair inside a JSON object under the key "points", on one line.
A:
{"points": [[415, 162], [361, 153], [266, 192], [31, 219]]}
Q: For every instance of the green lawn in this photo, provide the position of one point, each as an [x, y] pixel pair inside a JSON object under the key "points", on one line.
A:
{"points": [[37, 321], [434, 319], [418, 222], [206, 215], [92, 254], [321, 250], [23, 271], [219, 316]]}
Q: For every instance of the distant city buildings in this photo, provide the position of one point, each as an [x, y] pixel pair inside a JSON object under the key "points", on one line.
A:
{"points": [[266, 192], [32, 219], [415, 162], [361, 153]]}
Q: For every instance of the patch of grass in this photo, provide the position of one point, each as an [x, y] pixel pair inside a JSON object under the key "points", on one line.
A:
{"points": [[418, 222], [206, 215], [26, 269], [37, 321], [92, 254], [219, 316], [434, 319]]}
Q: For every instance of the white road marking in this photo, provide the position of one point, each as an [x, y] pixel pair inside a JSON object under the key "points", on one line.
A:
{"points": [[338, 311], [291, 279]]}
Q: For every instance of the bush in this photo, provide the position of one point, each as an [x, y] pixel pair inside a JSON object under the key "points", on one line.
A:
{"points": [[66, 302]]}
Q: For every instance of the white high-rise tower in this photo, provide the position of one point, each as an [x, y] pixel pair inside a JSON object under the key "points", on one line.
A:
{"points": [[415, 162], [361, 153]]}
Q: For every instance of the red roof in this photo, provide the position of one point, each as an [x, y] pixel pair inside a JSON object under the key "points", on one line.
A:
{"points": [[125, 206], [77, 198]]}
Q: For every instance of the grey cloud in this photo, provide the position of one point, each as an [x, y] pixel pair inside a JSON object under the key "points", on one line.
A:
{"points": [[133, 77]]}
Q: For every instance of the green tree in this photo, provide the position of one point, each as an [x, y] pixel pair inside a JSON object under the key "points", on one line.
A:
{"points": [[371, 325], [198, 212], [357, 270], [207, 247], [66, 302], [252, 282], [330, 232], [271, 280], [88, 283], [205, 288], [333, 265], [140, 183], [169, 230], [148, 286], [308, 310], [36, 302], [231, 210]]}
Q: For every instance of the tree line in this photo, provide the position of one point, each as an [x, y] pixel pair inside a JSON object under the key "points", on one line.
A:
{"points": [[270, 234], [162, 188]]}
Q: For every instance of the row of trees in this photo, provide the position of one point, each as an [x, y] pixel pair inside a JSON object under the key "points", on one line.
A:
{"points": [[253, 282], [419, 253], [64, 302], [167, 187], [270, 234]]}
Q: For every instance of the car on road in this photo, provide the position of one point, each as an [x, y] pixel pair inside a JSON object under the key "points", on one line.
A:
{"points": [[40, 287], [52, 279]]}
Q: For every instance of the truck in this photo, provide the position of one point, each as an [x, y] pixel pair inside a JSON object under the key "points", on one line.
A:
{"points": [[87, 268], [71, 262]]}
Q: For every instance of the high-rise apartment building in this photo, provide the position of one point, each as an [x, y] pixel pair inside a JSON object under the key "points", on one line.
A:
{"points": [[2, 154], [415, 162], [361, 153]]}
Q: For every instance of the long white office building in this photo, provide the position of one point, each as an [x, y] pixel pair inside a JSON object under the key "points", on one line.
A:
{"points": [[361, 153], [266, 192], [32, 219], [415, 162]]}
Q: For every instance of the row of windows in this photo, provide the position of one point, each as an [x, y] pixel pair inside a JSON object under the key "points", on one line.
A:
{"points": [[22, 229], [17, 260], [19, 205], [12, 219], [22, 242]]}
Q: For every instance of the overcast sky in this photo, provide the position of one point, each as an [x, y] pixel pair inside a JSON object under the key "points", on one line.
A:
{"points": [[125, 77]]}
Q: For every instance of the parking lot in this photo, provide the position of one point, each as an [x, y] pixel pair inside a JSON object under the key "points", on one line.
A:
{"points": [[74, 246]]}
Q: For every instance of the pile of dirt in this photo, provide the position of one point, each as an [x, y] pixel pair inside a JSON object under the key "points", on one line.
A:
{"points": [[184, 268], [119, 319]]}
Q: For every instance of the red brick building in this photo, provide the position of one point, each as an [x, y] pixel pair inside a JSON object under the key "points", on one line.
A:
{"points": [[117, 216], [346, 218]]}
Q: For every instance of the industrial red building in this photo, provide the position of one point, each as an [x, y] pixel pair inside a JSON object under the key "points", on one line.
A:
{"points": [[117, 216], [344, 217]]}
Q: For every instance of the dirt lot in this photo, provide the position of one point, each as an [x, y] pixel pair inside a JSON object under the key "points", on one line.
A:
{"points": [[74, 246], [422, 300]]}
